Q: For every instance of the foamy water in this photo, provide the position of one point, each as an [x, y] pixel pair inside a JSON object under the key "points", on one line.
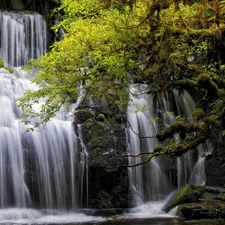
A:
{"points": [[148, 210], [32, 216]]}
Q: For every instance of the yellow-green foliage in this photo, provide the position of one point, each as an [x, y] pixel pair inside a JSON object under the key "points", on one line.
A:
{"points": [[1, 63], [96, 52], [183, 44]]}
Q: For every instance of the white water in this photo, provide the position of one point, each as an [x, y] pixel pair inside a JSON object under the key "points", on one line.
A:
{"points": [[148, 182], [40, 166], [151, 182], [37, 169], [18, 216], [41, 172], [22, 37]]}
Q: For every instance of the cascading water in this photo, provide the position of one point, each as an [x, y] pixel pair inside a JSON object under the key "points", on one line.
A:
{"points": [[45, 170], [152, 181], [41, 171], [22, 37], [140, 115], [37, 169]]}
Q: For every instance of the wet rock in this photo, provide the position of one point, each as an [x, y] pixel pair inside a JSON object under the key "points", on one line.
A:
{"points": [[107, 179], [82, 115], [104, 138], [187, 194], [204, 209], [215, 169]]}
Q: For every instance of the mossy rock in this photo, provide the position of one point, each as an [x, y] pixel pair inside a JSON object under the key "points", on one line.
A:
{"points": [[205, 81], [198, 114], [1, 63], [187, 194], [82, 115]]}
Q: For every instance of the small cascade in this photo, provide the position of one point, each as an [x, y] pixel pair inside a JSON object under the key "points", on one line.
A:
{"points": [[152, 181], [83, 167], [37, 169], [198, 173], [23, 36], [148, 182]]}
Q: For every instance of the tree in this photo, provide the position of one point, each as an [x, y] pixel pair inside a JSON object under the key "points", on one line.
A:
{"points": [[95, 55], [187, 46], [182, 45]]}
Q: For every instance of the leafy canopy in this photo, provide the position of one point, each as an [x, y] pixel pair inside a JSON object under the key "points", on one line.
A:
{"points": [[95, 55], [171, 44]]}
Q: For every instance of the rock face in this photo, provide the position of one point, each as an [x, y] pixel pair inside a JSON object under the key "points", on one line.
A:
{"points": [[215, 169], [104, 138]]}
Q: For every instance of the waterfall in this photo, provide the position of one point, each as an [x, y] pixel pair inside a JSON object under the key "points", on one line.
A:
{"points": [[38, 169], [148, 182], [185, 164], [147, 114], [23, 36], [43, 169], [41, 172]]}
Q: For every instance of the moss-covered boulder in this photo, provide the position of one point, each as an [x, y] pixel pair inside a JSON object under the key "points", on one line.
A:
{"points": [[82, 115], [187, 194]]}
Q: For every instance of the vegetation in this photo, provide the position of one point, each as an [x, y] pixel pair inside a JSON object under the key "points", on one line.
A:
{"points": [[1, 63], [171, 44]]}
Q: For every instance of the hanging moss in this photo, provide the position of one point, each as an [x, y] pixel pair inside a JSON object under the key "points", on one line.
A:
{"points": [[177, 127], [205, 81], [212, 121], [185, 84], [198, 114]]}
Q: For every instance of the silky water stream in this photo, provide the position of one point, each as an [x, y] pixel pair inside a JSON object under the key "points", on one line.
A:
{"points": [[152, 183], [42, 172]]}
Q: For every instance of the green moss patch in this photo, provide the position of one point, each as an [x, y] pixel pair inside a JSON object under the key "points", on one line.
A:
{"points": [[187, 194]]}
